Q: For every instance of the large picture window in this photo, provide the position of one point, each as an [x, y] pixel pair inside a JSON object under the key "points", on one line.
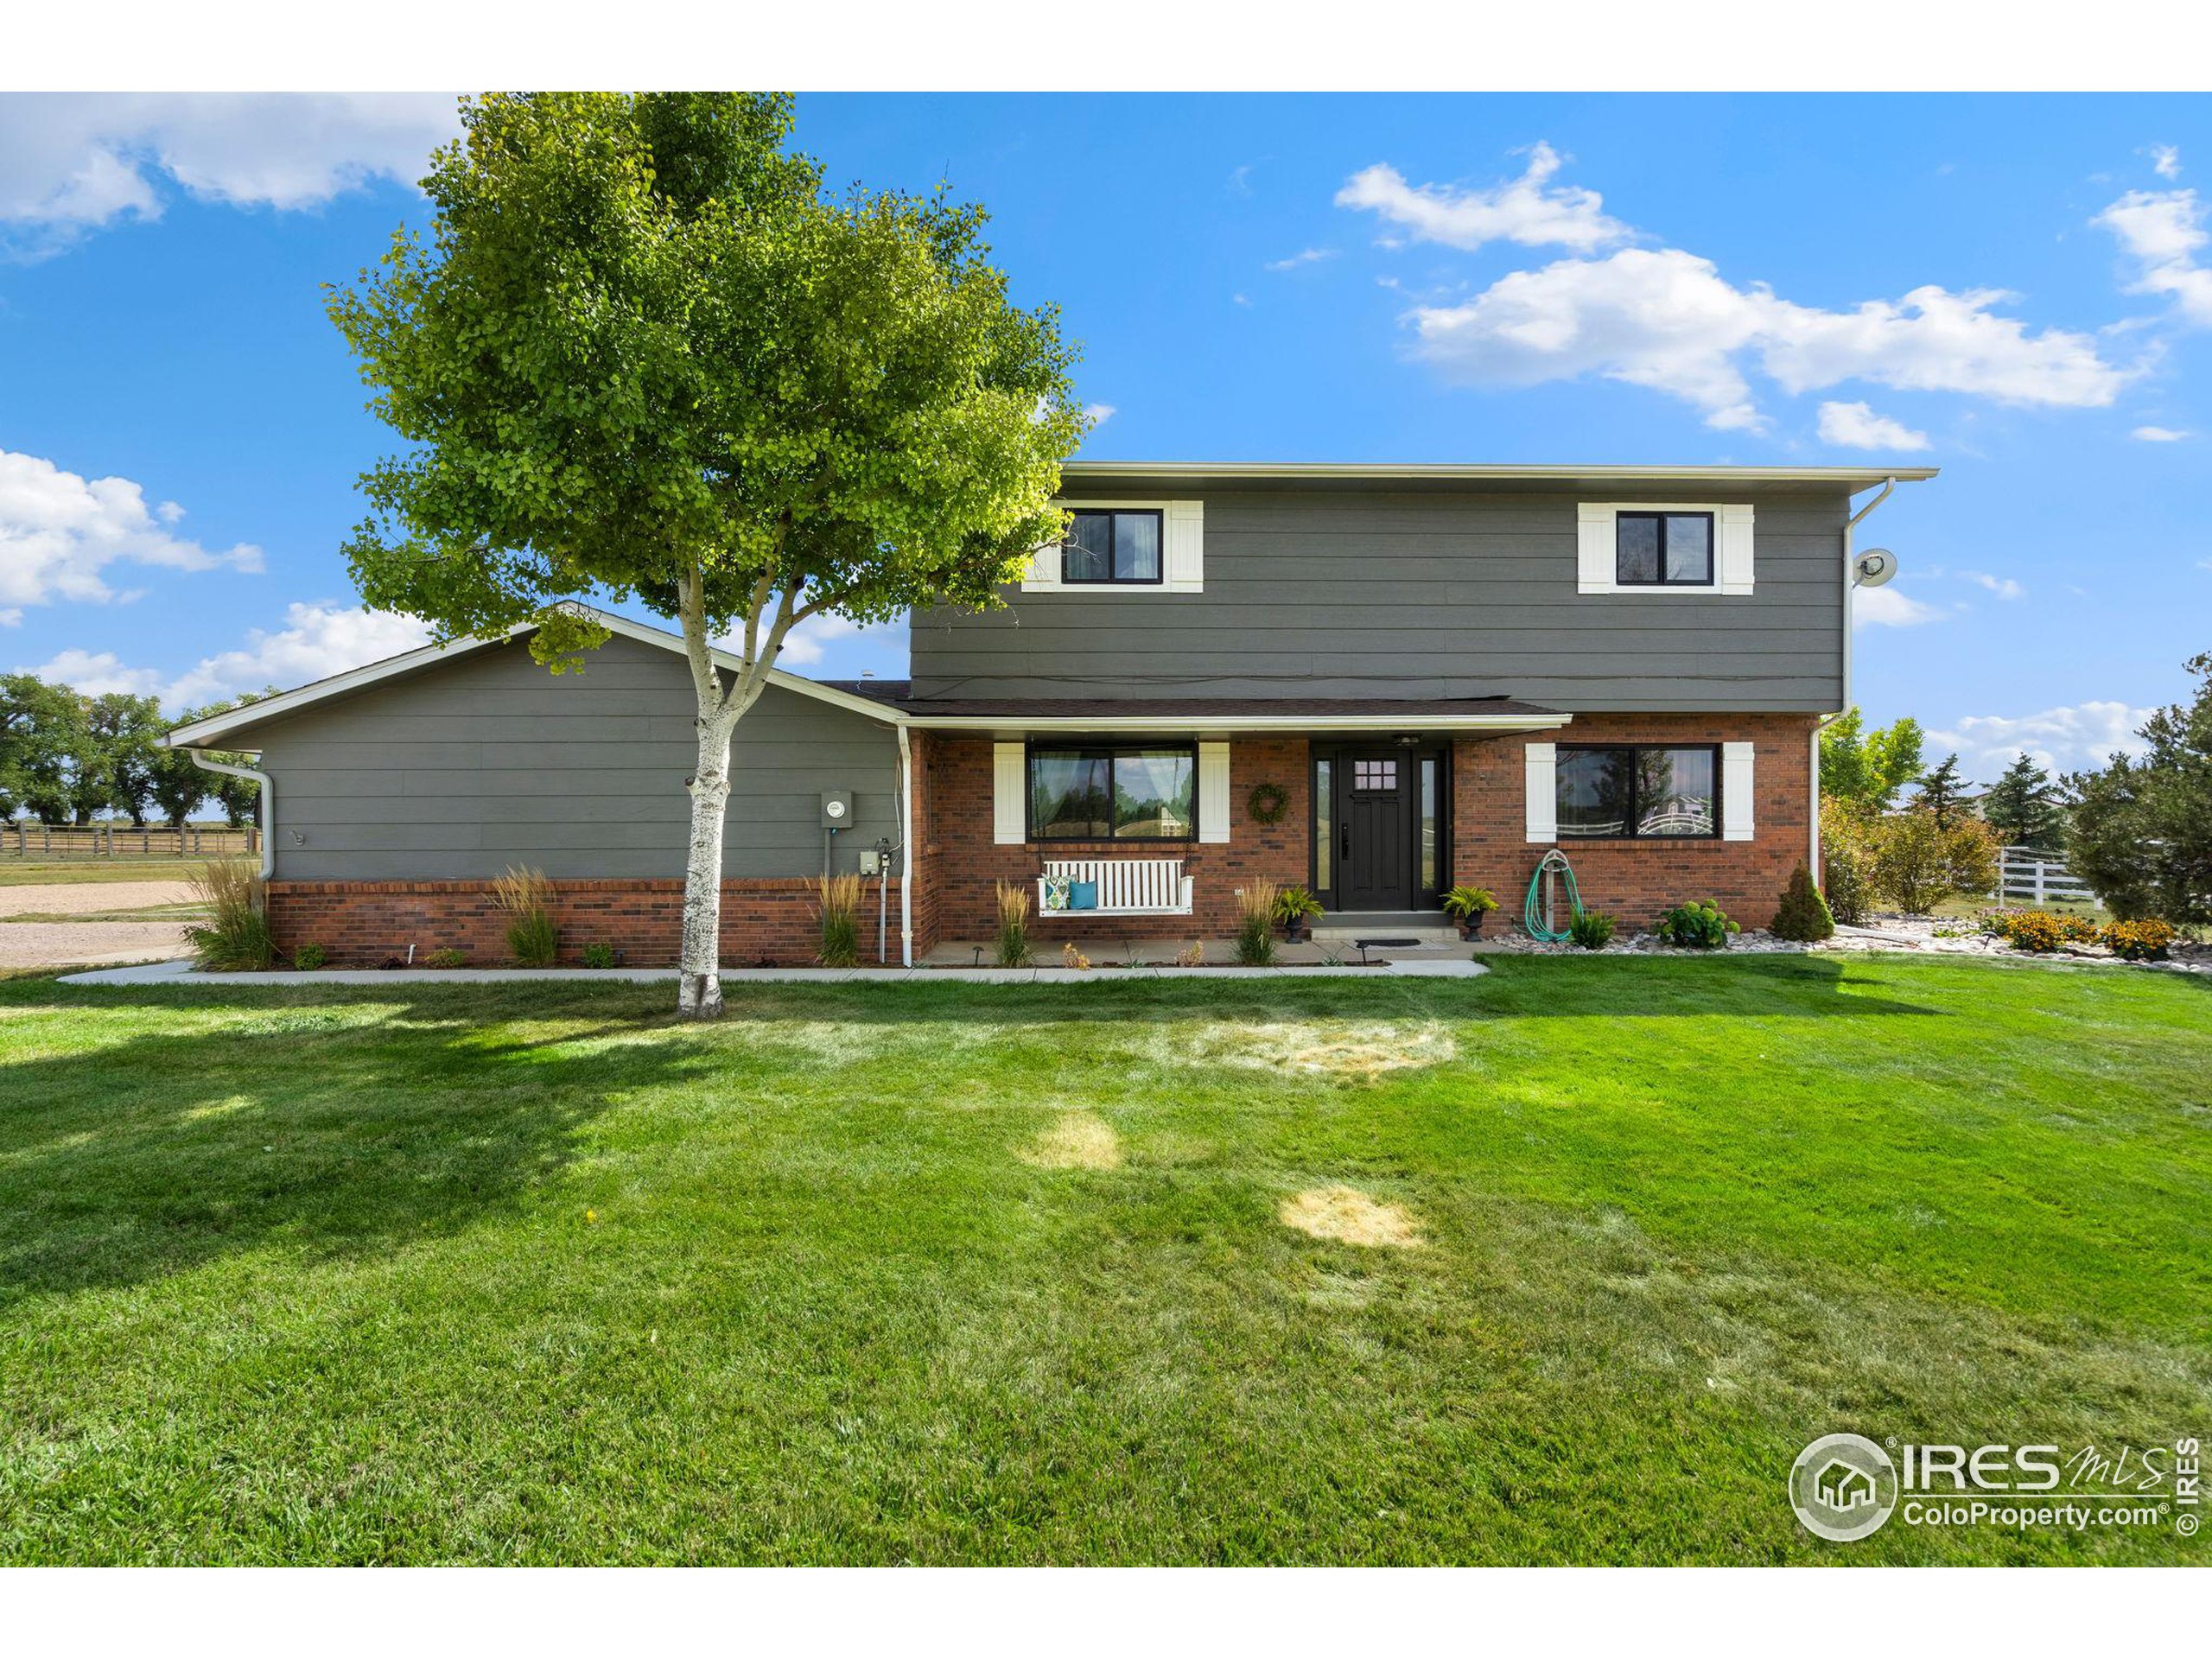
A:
{"points": [[1116, 545], [1662, 549], [1637, 793], [1142, 792]]}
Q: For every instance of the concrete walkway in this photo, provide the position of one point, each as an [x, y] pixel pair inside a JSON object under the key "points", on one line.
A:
{"points": [[183, 973]]}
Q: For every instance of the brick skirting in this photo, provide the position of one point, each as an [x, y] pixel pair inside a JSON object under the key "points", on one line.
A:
{"points": [[364, 923]]}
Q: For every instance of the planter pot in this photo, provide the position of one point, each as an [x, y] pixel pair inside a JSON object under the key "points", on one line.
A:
{"points": [[1471, 927], [1297, 932]]}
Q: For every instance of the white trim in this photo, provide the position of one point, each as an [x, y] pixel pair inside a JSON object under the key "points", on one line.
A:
{"points": [[1182, 552], [1738, 791], [1009, 794], [266, 806], [1596, 544], [1213, 791], [202, 732], [1865, 477], [1540, 780]]}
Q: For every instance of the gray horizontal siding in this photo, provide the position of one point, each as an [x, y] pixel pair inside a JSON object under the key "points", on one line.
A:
{"points": [[467, 768], [1323, 593]]}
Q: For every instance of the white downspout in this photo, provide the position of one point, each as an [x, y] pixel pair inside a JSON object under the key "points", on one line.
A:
{"points": [[1850, 584], [905, 850], [268, 804]]}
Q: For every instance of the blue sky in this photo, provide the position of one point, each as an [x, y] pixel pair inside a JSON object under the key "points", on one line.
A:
{"points": [[2016, 290]]}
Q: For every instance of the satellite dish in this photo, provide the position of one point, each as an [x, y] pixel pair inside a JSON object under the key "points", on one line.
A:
{"points": [[1874, 568]]}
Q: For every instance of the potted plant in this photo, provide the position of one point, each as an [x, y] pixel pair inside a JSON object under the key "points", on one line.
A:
{"points": [[1295, 908], [1467, 906]]}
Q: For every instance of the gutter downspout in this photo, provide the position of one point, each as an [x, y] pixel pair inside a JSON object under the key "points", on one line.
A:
{"points": [[1821, 725], [905, 850], [268, 804]]}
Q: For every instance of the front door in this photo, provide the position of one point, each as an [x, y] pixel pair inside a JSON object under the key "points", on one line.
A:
{"points": [[1376, 842]]}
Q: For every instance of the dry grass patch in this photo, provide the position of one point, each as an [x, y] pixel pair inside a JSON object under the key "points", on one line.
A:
{"points": [[1078, 1140], [1356, 1050], [1350, 1216]]}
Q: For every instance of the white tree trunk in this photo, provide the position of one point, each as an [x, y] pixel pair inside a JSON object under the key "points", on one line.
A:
{"points": [[699, 988]]}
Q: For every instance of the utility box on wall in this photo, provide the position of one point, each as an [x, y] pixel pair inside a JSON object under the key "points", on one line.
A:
{"points": [[837, 809]]}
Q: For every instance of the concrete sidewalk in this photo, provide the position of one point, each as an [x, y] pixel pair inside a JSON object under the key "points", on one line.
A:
{"points": [[183, 973]]}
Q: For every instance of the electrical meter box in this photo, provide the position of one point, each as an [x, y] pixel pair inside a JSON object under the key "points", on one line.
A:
{"points": [[837, 809]]}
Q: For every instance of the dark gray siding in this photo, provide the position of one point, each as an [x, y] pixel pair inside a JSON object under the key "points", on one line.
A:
{"points": [[490, 760], [1334, 592]]}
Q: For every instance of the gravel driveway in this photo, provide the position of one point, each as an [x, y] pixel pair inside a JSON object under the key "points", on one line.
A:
{"points": [[69, 944]]}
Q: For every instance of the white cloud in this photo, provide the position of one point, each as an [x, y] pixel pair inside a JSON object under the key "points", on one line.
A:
{"points": [[2066, 738], [1303, 257], [1856, 426], [1885, 607], [1239, 299], [805, 645], [2157, 435], [59, 531], [70, 163], [2162, 232], [2003, 587], [2166, 161], [316, 640], [1666, 320], [1528, 210], [1099, 414]]}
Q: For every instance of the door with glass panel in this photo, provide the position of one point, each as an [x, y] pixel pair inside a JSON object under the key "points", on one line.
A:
{"points": [[1378, 828]]}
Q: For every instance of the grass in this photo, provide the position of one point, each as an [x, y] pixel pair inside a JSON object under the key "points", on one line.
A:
{"points": [[37, 873], [473, 1272]]}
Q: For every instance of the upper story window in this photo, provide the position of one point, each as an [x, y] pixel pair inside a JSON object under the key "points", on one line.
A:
{"points": [[1120, 545], [1652, 549]]}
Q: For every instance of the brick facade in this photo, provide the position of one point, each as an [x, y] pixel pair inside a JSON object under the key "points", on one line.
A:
{"points": [[966, 864], [363, 924], [1638, 880], [957, 863]]}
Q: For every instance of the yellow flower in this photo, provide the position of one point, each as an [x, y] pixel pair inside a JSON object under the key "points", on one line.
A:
{"points": [[591, 1215]]}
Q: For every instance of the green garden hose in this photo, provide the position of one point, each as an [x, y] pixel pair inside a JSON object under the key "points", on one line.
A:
{"points": [[1539, 919]]}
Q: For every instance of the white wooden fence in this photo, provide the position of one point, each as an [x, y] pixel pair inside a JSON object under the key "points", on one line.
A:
{"points": [[2024, 873]]}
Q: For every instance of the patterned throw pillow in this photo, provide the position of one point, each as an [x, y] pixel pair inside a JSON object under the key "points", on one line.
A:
{"points": [[1056, 892]]}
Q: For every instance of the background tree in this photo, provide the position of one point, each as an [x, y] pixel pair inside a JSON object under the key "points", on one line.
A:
{"points": [[642, 357], [1939, 789], [42, 732], [118, 764], [1868, 768], [2140, 831], [2022, 808]]}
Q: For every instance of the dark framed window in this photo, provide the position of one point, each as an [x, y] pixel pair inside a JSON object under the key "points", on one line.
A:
{"points": [[1639, 793], [1662, 549], [1374, 775], [1137, 791], [1117, 544]]}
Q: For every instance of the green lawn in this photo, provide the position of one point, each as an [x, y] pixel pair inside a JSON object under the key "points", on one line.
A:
{"points": [[47, 873], [439, 1273]]}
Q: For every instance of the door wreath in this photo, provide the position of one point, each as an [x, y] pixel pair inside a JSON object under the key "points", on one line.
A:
{"points": [[1267, 803]]}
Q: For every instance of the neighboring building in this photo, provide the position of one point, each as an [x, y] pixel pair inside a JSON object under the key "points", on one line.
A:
{"points": [[1376, 681]]}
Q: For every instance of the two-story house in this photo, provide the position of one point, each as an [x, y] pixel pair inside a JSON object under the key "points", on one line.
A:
{"points": [[1378, 681]]}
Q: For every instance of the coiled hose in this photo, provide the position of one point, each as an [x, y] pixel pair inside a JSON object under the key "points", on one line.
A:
{"points": [[1539, 919]]}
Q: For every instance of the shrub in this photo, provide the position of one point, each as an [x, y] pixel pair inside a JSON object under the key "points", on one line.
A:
{"points": [[1071, 957], [235, 936], [1844, 859], [1013, 947], [447, 957], [837, 905], [1256, 911], [2076, 930], [1803, 914], [524, 895], [1699, 925], [1915, 861], [309, 957], [2143, 941], [1591, 929], [598, 954], [2036, 930]]}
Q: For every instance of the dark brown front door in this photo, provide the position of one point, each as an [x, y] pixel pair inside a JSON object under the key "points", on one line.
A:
{"points": [[1375, 843]]}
